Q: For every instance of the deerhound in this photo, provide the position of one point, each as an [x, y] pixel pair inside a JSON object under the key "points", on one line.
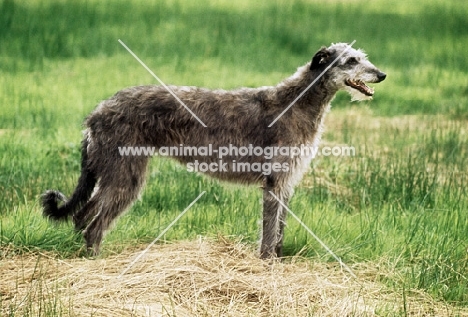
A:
{"points": [[151, 116]]}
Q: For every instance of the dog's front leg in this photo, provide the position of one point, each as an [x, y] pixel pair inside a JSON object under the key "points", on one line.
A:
{"points": [[274, 216]]}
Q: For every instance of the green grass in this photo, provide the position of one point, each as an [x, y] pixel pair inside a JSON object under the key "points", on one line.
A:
{"points": [[401, 201]]}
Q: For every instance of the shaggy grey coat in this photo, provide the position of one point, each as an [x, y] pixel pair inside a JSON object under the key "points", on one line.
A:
{"points": [[151, 116]]}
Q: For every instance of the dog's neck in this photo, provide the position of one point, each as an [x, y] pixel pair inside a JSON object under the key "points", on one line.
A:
{"points": [[309, 85], [311, 108]]}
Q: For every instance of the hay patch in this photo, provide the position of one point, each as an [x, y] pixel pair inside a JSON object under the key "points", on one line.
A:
{"points": [[198, 278]]}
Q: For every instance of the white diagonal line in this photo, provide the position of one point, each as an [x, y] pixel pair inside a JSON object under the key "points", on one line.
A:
{"points": [[308, 87], [161, 82], [315, 236], [161, 234]]}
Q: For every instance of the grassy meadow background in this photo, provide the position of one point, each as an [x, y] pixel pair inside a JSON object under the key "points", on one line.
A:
{"points": [[400, 204]]}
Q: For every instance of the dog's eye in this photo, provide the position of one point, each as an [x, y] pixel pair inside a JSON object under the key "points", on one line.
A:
{"points": [[352, 61]]}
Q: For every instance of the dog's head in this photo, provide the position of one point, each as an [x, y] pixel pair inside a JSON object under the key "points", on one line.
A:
{"points": [[347, 69]]}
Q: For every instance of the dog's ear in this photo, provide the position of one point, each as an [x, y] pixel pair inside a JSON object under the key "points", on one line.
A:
{"points": [[320, 58]]}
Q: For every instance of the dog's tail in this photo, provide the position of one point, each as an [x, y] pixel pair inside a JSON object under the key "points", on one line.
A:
{"points": [[82, 193]]}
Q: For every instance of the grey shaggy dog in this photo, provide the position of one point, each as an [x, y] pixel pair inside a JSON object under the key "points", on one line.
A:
{"points": [[151, 116]]}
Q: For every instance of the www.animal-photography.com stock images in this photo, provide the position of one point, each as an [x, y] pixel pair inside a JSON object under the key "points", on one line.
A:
{"points": [[233, 158]]}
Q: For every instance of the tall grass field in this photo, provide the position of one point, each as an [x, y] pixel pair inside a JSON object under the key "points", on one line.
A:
{"points": [[400, 205]]}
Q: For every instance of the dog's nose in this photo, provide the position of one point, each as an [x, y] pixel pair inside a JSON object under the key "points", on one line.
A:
{"points": [[381, 76]]}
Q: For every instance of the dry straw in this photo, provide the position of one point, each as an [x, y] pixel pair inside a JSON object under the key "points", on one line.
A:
{"points": [[199, 278]]}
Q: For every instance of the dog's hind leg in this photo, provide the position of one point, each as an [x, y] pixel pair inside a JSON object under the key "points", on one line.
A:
{"points": [[117, 189]]}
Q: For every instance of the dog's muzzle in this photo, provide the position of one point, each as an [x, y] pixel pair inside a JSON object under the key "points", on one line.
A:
{"points": [[362, 87]]}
